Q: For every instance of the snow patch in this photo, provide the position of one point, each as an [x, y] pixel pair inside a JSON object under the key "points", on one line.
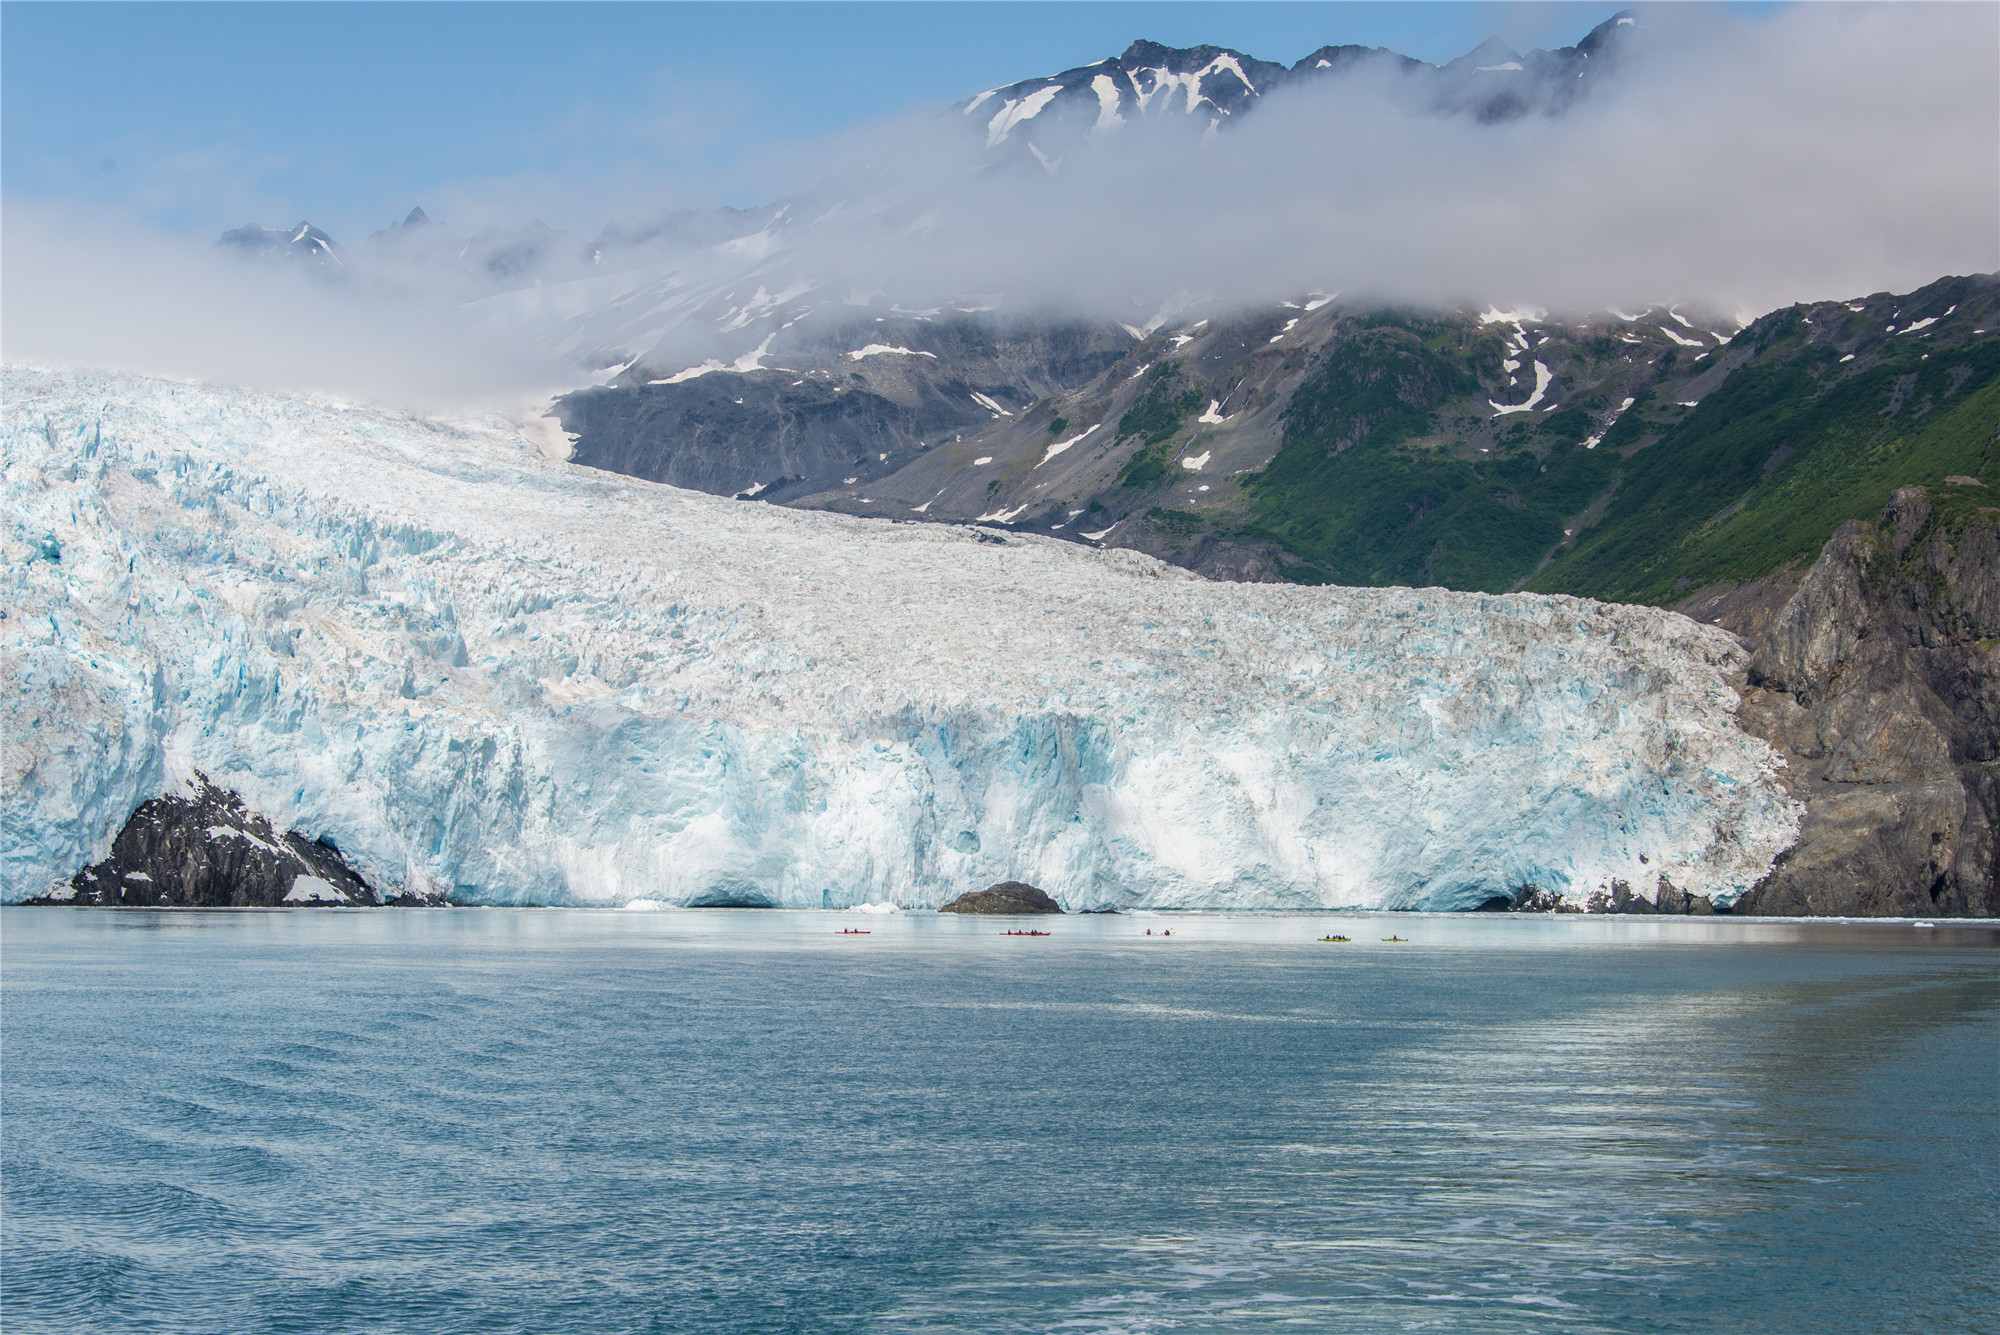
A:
{"points": [[881, 349], [1013, 111], [1542, 378], [1062, 445]]}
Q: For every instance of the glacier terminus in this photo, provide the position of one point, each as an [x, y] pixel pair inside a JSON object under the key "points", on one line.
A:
{"points": [[490, 674]]}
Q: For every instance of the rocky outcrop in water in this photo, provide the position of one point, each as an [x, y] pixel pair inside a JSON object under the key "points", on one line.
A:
{"points": [[207, 850], [1006, 897], [1878, 679]]}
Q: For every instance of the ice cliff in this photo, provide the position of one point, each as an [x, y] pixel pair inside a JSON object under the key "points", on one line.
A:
{"points": [[483, 671]]}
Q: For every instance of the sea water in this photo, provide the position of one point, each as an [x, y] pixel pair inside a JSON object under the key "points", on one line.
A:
{"points": [[557, 1121]]}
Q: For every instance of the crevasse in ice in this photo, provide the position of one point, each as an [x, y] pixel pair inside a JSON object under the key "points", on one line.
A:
{"points": [[521, 681]]}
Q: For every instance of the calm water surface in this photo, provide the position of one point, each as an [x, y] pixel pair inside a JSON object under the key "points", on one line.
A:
{"points": [[551, 1121]]}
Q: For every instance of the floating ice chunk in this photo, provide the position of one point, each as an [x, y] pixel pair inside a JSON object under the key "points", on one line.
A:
{"points": [[643, 906], [883, 907], [313, 890]]}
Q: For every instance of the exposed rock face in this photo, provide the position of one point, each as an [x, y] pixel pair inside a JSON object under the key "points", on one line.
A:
{"points": [[209, 851], [1006, 897], [1879, 682]]}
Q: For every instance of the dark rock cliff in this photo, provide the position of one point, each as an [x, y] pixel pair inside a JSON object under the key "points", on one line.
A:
{"points": [[1878, 679], [208, 850]]}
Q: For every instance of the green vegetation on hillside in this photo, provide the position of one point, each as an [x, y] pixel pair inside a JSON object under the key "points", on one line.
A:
{"points": [[1356, 492], [1155, 417], [1786, 450]]}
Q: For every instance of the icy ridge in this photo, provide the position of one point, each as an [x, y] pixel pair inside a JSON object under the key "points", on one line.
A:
{"points": [[484, 671]]}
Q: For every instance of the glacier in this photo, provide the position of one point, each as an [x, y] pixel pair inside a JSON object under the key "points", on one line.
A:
{"points": [[486, 672]]}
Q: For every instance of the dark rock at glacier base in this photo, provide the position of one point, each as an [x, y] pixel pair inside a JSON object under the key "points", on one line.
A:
{"points": [[1006, 897], [208, 850]]}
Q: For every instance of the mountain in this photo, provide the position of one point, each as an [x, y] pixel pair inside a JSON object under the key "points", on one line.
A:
{"points": [[473, 669], [1214, 84], [303, 245]]}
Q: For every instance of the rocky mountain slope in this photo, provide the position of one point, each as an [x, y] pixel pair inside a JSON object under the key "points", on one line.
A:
{"points": [[1877, 677], [1320, 442]]}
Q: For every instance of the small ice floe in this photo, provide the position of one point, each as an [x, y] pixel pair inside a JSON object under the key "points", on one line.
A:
{"points": [[642, 906], [883, 907], [312, 890]]}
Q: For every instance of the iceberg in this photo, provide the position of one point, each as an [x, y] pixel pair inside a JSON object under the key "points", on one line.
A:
{"points": [[489, 673]]}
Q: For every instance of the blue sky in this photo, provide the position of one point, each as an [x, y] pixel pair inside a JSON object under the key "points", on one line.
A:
{"points": [[200, 117]]}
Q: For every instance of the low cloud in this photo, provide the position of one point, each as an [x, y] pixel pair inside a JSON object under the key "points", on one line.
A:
{"points": [[1732, 162], [83, 291]]}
